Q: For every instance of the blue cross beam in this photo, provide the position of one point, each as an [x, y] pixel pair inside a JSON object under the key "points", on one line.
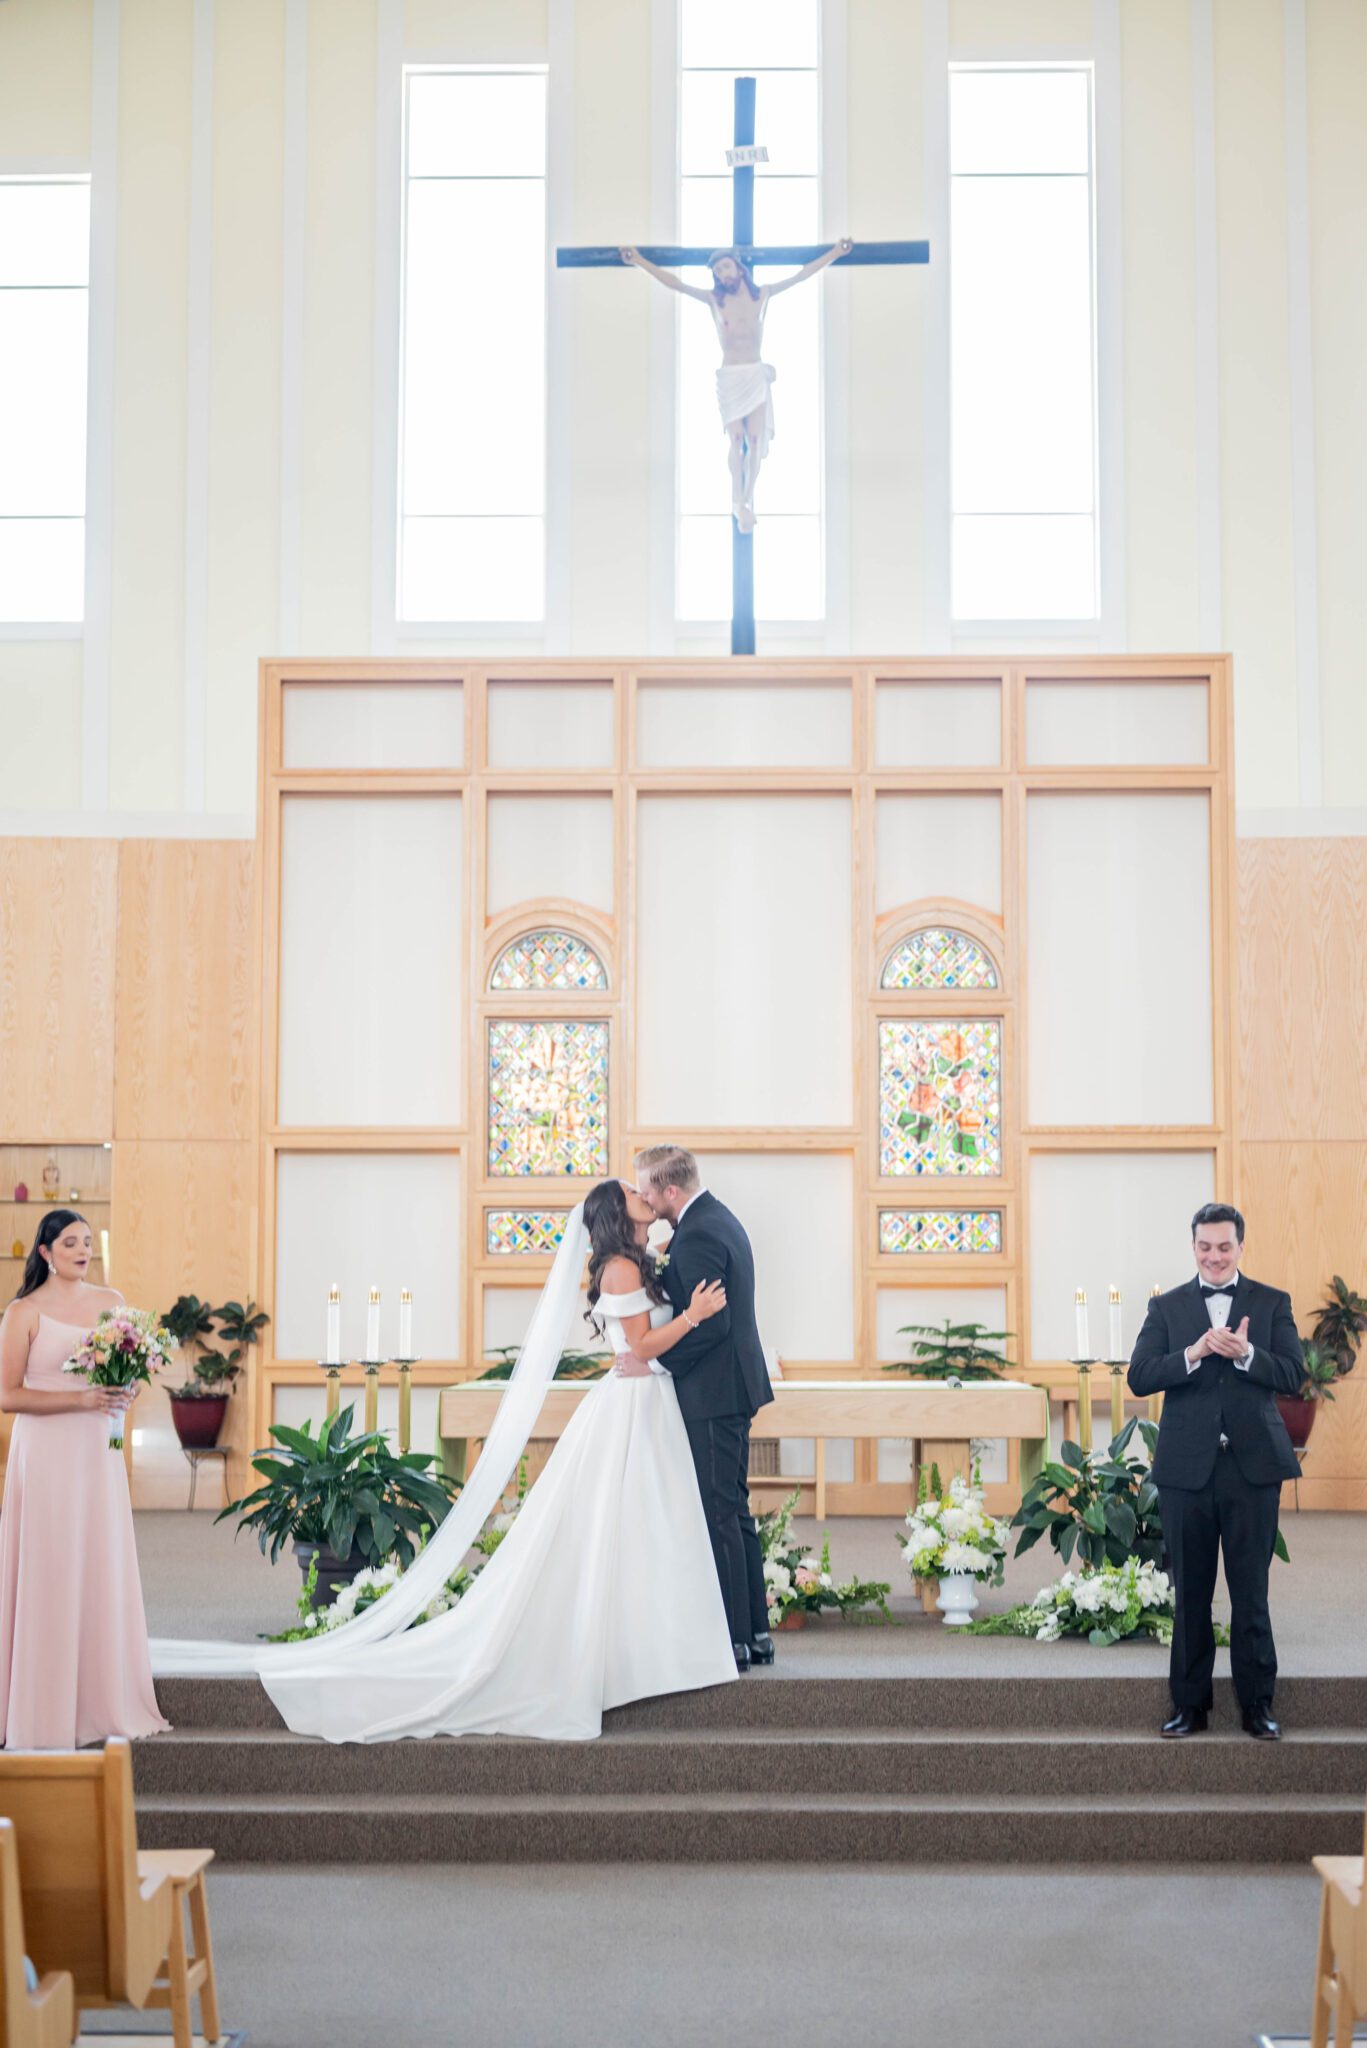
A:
{"points": [[743, 157]]}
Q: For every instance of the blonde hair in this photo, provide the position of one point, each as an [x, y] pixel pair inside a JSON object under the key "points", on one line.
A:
{"points": [[668, 1166]]}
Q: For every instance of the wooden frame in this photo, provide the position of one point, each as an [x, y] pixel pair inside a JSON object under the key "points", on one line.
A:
{"points": [[1013, 779]]}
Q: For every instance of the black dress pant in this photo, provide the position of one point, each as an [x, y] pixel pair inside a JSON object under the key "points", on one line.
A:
{"points": [[721, 1458], [1232, 1515]]}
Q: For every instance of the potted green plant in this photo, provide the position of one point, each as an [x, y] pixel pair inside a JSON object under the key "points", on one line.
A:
{"points": [[200, 1403], [1298, 1411], [1341, 1324], [347, 1501], [952, 1351]]}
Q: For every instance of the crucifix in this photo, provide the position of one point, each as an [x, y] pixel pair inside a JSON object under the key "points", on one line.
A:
{"points": [[743, 380]]}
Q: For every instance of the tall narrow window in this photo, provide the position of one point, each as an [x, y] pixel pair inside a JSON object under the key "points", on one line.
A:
{"points": [[777, 42], [44, 320], [472, 477], [1023, 343]]}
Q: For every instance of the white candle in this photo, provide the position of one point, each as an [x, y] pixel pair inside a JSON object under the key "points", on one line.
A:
{"points": [[334, 1350], [1080, 1328], [1117, 1336], [372, 1325], [405, 1323]]}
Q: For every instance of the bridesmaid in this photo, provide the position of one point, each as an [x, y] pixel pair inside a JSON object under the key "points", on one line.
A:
{"points": [[74, 1666]]}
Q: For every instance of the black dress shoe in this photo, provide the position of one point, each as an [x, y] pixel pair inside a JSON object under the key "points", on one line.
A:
{"points": [[762, 1649], [1186, 1721], [742, 1651], [1258, 1722]]}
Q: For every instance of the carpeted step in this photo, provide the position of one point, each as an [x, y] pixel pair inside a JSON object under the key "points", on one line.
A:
{"points": [[805, 1828], [257, 1763], [768, 1699]]}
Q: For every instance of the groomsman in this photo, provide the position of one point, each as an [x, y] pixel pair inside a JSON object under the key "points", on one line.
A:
{"points": [[1218, 1349]]}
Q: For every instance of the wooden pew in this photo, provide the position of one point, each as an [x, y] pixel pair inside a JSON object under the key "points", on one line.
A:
{"points": [[1341, 1959], [92, 1904], [45, 2018]]}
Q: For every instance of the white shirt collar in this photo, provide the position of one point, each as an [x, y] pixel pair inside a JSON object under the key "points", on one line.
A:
{"points": [[1201, 1280], [687, 1206]]}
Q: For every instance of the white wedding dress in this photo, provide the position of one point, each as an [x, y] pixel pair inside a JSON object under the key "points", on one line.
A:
{"points": [[603, 1590]]}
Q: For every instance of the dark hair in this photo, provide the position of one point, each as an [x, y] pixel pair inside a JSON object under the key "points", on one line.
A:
{"points": [[1218, 1212], [612, 1236], [37, 1269], [742, 263]]}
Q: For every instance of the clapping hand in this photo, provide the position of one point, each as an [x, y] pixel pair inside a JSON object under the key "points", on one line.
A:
{"points": [[1229, 1343]]}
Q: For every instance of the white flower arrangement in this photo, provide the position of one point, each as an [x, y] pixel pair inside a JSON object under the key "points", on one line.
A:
{"points": [[1106, 1606], [952, 1534]]}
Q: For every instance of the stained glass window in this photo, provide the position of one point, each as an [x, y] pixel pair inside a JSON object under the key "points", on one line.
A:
{"points": [[548, 1096], [931, 1231], [528, 1233], [548, 959], [939, 1092], [939, 958]]}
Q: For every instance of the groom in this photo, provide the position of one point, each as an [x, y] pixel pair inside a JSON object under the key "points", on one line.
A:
{"points": [[721, 1378]]}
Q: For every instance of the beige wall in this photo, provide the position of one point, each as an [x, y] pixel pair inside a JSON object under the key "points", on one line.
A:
{"points": [[198, 584], [1303, 1105], [126, 977], [127, 1015]]}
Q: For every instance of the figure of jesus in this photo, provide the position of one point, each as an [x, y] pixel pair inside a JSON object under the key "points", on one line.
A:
{"points": [[738, 305]]}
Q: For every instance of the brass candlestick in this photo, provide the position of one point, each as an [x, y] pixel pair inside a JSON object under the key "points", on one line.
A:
{"points": [[372, 1367], [333, 1375], [1117, 1397], [405, 1366], [1084, 1403]]}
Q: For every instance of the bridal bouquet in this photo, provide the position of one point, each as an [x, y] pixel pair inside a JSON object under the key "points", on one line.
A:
{"points": [[1112, 1604], [124, 1349], [952, 1535]]}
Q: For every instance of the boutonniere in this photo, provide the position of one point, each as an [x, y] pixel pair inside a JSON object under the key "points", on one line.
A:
{"points": [[661, 1261]]}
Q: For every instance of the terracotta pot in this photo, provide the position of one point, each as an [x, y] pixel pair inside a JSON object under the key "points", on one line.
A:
{"points": [[197, 1423], [333, 1572], [796, 1617], [1299, 1417]]}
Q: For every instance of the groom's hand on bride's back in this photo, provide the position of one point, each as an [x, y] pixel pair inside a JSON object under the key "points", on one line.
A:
{"points": [[709, 1299]]}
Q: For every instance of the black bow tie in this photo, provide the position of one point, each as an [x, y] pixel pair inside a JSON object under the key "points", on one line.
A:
{"points": [[1217, 1290]]}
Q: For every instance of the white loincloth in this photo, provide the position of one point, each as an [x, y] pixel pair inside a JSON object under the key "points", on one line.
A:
{"points": [[743, 388]]}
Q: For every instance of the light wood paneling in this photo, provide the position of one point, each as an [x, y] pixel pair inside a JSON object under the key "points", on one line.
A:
{"points": [[183, 1224], [57, 921], [185, 1024], [1306, 1208], [1302, 988]]}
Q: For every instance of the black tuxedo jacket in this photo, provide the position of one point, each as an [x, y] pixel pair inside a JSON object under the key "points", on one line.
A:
{"points": [[718, 1368], [1218, 1398]]}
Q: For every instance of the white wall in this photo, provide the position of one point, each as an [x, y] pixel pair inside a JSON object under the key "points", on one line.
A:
{"points": [[242, 430]]}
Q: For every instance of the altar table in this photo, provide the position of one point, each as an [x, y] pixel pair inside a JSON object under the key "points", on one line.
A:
{"points": [[925, 1410]]}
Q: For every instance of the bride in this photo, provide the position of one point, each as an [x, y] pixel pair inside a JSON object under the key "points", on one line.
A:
{"points": [[604, 1588]]}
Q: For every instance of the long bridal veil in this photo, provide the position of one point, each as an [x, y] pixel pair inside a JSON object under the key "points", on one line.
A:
{"points": [[504, 1445]]}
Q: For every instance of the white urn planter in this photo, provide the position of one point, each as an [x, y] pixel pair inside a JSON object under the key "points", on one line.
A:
{"points": [[958, 1599]]}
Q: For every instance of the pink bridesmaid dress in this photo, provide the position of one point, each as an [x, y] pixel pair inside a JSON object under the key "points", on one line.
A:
{"points": [[74, 1666]]}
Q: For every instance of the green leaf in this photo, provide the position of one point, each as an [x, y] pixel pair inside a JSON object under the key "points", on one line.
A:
{"points": [[1280, 1550], [1072, 1454]]}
